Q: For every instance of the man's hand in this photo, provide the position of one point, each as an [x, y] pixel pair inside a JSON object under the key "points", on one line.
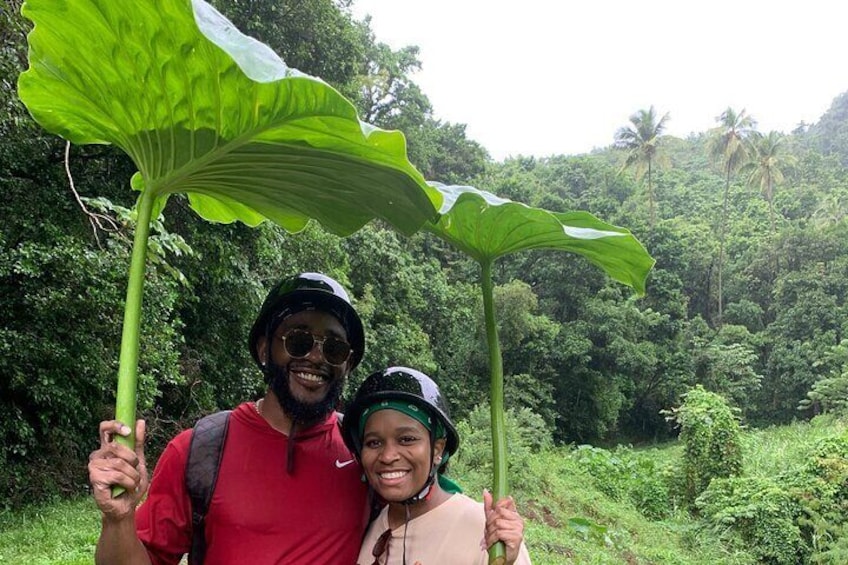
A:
{"points": [[115, 464]]}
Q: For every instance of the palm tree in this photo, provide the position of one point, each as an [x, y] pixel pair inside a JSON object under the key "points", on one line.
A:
{"points": [[726, 146], [766, 165], [642, 140], [832, 210]]}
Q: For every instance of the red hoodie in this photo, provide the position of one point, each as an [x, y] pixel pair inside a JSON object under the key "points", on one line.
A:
{"points": [[259, 514]]}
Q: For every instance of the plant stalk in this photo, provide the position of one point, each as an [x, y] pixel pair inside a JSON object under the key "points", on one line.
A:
{"points": [[125, 401], [497, 553]]}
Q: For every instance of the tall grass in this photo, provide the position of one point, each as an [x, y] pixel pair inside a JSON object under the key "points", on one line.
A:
{"points": [[61, 533], [786, 447], [570, 520]]}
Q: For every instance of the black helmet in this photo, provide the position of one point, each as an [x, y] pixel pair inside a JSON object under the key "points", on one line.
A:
{"points": [[308, 291], [397, 383]]}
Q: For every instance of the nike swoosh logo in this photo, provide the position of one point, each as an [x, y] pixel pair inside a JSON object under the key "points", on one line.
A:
{"points": [[340, 464]]}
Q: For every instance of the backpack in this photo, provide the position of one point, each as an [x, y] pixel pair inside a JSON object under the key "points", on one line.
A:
{"points": [[204, 459]]}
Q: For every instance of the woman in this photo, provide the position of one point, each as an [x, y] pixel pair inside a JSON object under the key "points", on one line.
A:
{"points": [[398, 427]]}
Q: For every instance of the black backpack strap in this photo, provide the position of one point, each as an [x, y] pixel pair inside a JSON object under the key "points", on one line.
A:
{"points": [[204, 460]]}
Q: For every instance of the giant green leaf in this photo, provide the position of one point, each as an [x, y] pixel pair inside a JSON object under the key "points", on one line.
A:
{"points": [[487, 227], [205, 110]]}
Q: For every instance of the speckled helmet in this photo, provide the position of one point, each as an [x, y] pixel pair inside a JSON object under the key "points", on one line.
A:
{"points": [[397, 383], [308, 291]]}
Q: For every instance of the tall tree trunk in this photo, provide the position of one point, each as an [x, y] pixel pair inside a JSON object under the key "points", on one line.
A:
{"points": [[772, 253], [653, 216], [770, 198], [720, 311]]}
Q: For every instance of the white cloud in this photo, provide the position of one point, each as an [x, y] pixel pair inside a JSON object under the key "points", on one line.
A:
{"points": [[542, 77]]}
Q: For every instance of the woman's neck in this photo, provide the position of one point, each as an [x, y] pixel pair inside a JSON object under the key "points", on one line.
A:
{"points": [[397, 510]]}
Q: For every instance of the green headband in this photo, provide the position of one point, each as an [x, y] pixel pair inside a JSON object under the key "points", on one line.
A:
{"points": [[420, 415], [408, 408]]}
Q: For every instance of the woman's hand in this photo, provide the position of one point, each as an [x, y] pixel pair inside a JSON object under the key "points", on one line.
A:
{"points": [[503, 523]]}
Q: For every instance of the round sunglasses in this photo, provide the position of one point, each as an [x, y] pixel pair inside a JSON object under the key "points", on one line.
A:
{"points": [[298, 344]]}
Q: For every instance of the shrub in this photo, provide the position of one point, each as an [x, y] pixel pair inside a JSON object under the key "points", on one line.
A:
{"points": [[821, 489], [625, 475], [709, 432], [756, 513], [607, 469], [800, 516], [526, 434]]}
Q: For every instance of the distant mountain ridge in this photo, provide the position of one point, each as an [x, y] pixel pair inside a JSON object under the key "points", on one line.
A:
{"points": [[830, 134]]}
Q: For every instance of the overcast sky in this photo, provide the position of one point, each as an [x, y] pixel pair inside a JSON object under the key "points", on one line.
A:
{"points": [[543, 77]]}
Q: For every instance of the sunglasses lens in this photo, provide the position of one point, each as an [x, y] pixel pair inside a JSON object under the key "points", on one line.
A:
{"points": [[299, 343], [336, 351], [381, 546]]}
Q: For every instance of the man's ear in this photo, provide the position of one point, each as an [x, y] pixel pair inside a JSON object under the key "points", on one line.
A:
{"points": [[262, 350]]}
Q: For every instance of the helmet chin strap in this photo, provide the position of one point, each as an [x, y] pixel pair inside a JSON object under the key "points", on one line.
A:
{"points": [[425, 492]]}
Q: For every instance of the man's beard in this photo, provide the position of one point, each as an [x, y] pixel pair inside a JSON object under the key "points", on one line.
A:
{"points": [[304, 413]]}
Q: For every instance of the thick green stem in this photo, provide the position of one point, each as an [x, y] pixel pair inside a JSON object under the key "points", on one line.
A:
{"points": [[125, 401], [497, 553]]}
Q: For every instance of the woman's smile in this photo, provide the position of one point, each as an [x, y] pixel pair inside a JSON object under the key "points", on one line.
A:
{"points": [[396, 454]]}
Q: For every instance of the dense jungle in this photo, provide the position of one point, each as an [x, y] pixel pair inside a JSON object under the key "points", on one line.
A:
{"points": [[744, 317]]}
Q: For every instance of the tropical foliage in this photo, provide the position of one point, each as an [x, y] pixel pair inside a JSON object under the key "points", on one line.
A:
{"points": [[765, 167], [583, 359]]}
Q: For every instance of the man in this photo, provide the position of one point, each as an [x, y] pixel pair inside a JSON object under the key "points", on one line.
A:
{"points": [[288, 490]]}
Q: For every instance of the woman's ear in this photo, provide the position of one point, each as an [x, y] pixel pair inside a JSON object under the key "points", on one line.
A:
{"points": [[439, 449]]}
